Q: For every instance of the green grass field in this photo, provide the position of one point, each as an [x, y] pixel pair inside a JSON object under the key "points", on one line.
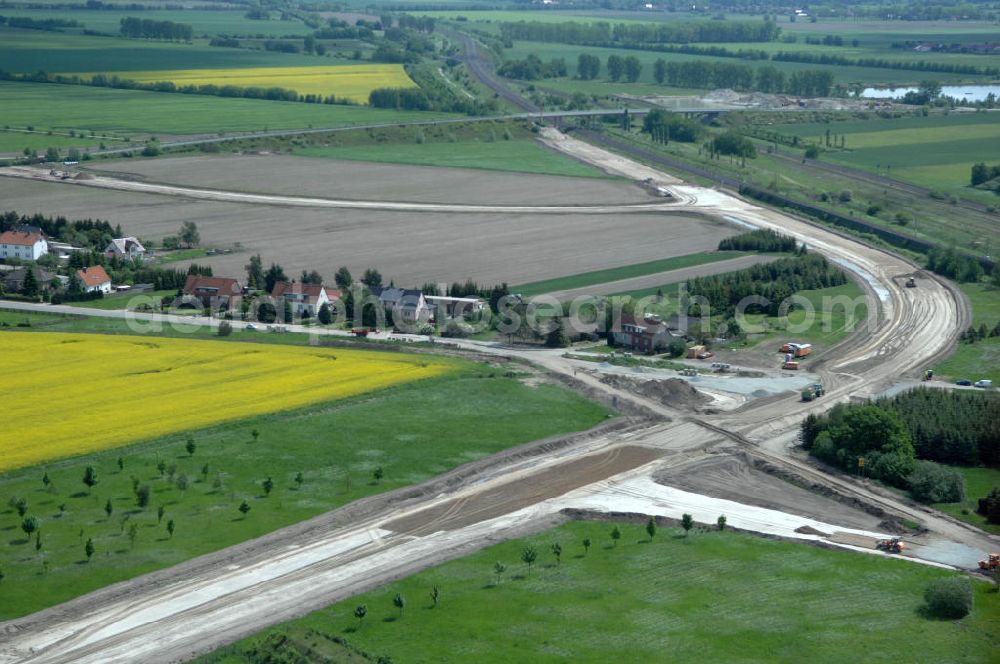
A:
{"points": [[54, 52], [978, 484], [709, 597], [936, 152], [119, 301], [519, 155], [413, 432], [64, 107], [203, 21], [981, 359], [625, 272]]}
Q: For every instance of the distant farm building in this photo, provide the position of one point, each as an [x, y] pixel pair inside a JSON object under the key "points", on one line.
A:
{"points": [[94, 279], [26, 245]]}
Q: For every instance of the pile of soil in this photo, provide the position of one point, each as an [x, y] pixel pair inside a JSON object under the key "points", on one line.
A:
{"points": [[671, 392]]}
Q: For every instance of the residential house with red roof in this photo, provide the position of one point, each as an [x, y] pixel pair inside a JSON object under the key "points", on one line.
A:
{"points": [[215, 292], [305, 299], [27, 245], [94, 279]]}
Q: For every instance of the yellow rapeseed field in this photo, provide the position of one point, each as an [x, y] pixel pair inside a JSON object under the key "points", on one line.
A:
{"points": [[350, 81], [66, 394]]}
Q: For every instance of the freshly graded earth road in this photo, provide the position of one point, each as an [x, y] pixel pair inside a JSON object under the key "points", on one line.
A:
{"points": [[199, 605]]}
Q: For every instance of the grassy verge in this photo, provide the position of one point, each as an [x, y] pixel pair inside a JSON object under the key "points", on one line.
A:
{"points": [[978, 484], [521, 155], [676, 599], [64, 107], [120, 301], [980, 359], [624, 272], [411, 432]]}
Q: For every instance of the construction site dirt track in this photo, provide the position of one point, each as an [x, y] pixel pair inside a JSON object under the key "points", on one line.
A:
{"points": [[177, 613]]}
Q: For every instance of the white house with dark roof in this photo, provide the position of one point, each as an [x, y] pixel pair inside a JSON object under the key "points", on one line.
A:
{"points": [[125, 247], [404, 305], [27, 245]]}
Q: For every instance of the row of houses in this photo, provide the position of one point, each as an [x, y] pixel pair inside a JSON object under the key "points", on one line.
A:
{"points": [[93, 279], [30, 244], [407, 305]]}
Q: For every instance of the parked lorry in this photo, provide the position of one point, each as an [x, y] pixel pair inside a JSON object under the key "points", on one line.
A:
{"points": [[813, 391], [928, 374], [911, 283], [991, 564], [796, 349]]}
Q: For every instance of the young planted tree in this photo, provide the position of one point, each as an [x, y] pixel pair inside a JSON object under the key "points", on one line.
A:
{"points": [[89, 549], [687, 523], [498, 569], [46, 481], [378, 474], [38, 541], [121, 464], [721, 522], [586, 545], [29, 525], [160, 511], [109, 508], [267, 485], [244, 508], [182, 482], [299, 479], [557, 552], [616, 534], [528, 557], [360, 612], [651, 528], [256, 434], [435, 595], [133, 533], [142, 496], [89, 477], [19, 504], [190, 446], [161, 466], [170, 527], [400, 603], [204, 473]]}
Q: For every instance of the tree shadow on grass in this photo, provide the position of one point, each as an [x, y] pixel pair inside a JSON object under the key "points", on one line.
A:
{"points": [[79, 494], [18, 542], [390, 619]]}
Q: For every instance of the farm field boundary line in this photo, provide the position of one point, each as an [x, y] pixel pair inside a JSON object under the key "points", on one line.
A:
{"points": [[105, 182]]}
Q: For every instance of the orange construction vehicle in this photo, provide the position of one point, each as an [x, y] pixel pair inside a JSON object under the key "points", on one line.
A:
{"points": [[990, 564], [792, 366], [891, 545]]}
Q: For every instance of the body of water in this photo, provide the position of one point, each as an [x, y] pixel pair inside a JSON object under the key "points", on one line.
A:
{"points": [[963, 92]]}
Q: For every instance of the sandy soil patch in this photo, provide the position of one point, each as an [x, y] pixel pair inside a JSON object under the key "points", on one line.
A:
{"points": [[732, 478]]}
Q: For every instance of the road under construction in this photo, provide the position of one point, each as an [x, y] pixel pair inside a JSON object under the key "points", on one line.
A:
{"points": [[623, 466]]}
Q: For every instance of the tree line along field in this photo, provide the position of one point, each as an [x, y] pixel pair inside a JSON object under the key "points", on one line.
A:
{"points": [[204, 21], [706, 596], [171, 385], [25, 51], [936, 151], [284, 466], [85, 108], [842, 75]]}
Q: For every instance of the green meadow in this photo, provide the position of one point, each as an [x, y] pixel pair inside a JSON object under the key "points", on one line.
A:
{"points": [[708, 597]]}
